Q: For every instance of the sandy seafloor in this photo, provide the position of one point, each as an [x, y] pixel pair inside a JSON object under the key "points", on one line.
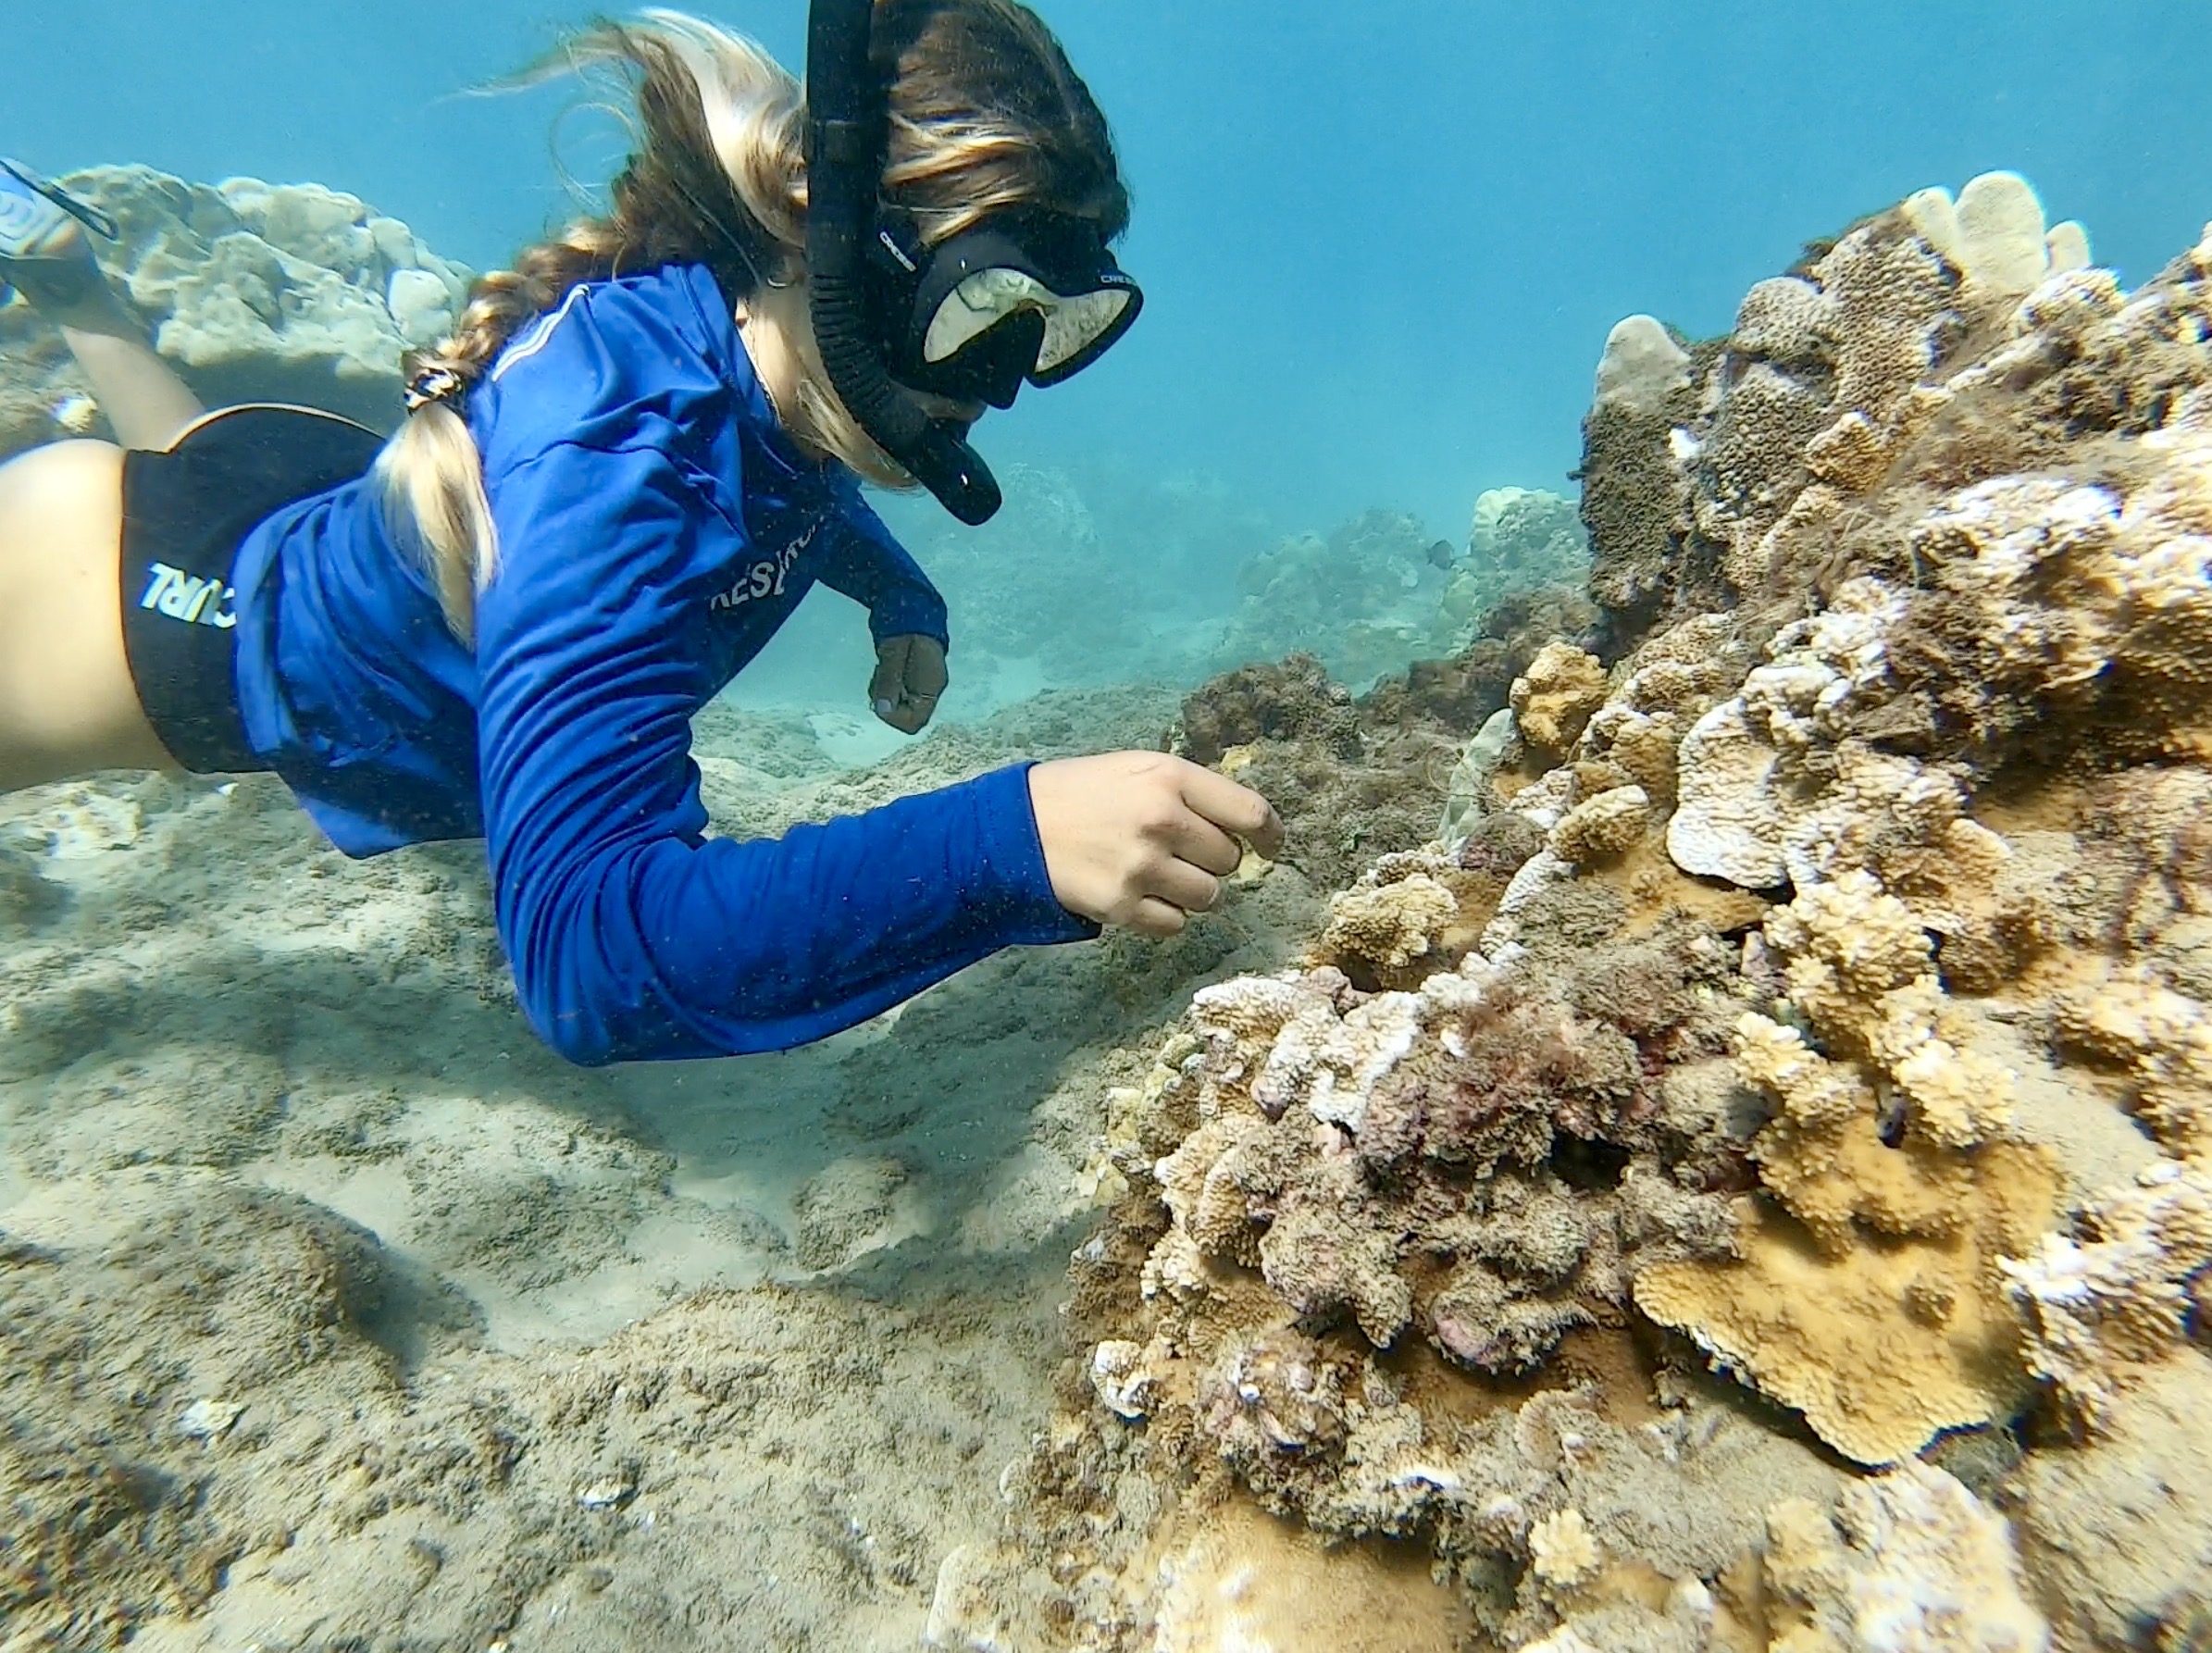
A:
{"points": [[338, 1309]]}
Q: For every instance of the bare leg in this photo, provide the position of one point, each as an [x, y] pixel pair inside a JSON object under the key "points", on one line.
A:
{"points": [[46, 254], [68, 704], [147, 403]]}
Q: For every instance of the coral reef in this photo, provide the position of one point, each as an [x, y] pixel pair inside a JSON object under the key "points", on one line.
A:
{"points": [[1402, 1170], [1357, 776], [1739, 1042], [252, 291], [1812, 930], [1528, 534], [1873, 1304], [1365, 598], [1462, 689], [1294, 701]]}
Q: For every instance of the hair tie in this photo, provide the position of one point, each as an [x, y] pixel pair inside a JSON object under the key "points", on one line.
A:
{"points": [[433, 384]]}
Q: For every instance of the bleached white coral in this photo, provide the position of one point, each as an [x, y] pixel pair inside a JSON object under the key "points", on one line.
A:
{"points": [[1562, 1550], [1299, 1048], [1468, 797], [1910, 1563], [1743, 797], [1120, 1379], [1642, 366], [2120, 1294]]}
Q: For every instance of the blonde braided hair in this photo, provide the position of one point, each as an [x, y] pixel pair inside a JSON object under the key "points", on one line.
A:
{"points": [[986, 113]]}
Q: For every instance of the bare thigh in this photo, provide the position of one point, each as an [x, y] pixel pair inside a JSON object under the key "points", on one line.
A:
{"points": [[67, 706]]}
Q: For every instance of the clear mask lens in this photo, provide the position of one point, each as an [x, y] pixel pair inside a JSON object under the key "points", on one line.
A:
{"points": [[990, 296]]}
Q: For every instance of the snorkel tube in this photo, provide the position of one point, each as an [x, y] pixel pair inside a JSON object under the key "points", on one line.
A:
{"points": [[848, 127]]}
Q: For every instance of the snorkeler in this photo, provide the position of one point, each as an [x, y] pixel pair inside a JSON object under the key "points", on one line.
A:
{"points": [[640, 447]]}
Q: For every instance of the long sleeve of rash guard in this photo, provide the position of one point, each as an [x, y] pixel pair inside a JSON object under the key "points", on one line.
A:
{"points": [[630, 936], [868, 564]]}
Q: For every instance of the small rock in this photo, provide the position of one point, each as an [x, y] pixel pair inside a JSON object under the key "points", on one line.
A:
{"points": [[1118, 1377], [610, 1492], [209, 1420], [77, 413]]}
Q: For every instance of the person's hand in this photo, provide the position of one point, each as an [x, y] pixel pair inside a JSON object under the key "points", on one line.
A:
{"points": [[910, 675], [1144, 839]]}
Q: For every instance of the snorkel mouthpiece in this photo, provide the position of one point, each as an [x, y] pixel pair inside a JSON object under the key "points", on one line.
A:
{"points": [[846, 134]]}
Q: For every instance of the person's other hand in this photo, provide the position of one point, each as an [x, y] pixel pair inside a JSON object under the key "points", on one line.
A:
{"points": [[910, 675], [1142, 839]]}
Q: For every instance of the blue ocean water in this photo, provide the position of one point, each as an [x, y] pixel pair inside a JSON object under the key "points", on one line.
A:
{"points": [[1382, 243]]}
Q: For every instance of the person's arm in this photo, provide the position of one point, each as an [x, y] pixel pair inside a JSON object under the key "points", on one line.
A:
{"points": [[867, 564], [630, 936]]}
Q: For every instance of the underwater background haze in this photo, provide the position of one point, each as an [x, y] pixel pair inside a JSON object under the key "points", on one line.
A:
{"points": [[1381, 244]]}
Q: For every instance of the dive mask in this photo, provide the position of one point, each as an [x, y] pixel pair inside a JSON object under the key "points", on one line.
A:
{"points": [[1023, 294], [1027, 295]]}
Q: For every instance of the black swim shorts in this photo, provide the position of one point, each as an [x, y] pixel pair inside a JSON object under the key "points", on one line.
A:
{"points": [[185, 514]]}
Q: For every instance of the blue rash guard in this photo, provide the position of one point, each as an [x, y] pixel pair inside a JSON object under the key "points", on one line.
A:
{"points": [[655, 527]]}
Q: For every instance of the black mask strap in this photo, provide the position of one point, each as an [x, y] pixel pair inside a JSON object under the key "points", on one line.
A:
{"points": [[847, 125]]}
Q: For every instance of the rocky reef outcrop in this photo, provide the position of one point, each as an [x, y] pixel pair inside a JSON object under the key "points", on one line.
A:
{"points": [[1355, 776], [1742, 1182], [252, 291]]}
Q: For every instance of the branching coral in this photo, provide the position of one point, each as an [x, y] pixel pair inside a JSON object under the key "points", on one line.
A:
{"points": [[1879, 1317], [1560, 1548], [1386, 1157]]}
